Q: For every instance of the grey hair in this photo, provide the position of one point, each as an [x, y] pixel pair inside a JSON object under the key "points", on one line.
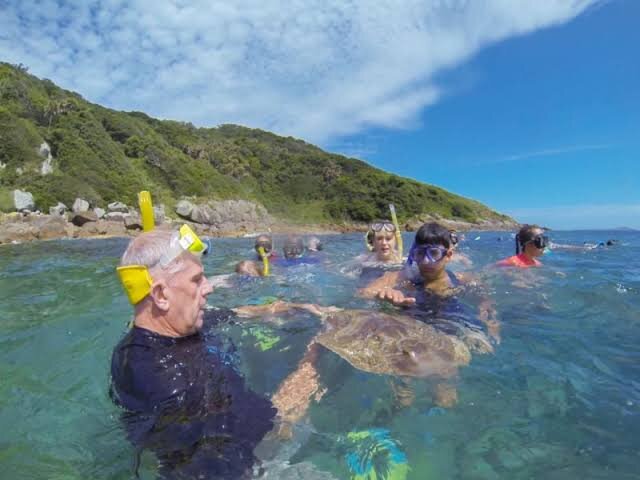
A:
{"points": [[149, 249]]}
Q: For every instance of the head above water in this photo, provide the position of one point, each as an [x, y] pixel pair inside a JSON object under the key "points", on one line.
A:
{"points": [[177, 288], [265, 242], [431, 250], [293, 247], [531, 240], [314, 244], [381, 240]]}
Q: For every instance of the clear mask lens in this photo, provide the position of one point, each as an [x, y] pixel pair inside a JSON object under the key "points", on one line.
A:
{"points": [[380, 226], [430, 254]]}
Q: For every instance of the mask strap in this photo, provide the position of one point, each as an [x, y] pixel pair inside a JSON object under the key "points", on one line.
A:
{"points": [[411, 252]]}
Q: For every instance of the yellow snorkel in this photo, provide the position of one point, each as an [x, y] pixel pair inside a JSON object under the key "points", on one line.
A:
{"points": [[394, 219], [146, 211], [265, 261]]}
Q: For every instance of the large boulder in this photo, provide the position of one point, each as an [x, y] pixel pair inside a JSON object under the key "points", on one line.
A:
{"points": [[230, 215], [18, 232], [60, 209], [23, 201], [80, 205], [50, 226], [184, 209], [80, 218], [117, 207], [99, 212]]}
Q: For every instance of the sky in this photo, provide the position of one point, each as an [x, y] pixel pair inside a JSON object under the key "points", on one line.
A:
{"points": [[532, 107]]}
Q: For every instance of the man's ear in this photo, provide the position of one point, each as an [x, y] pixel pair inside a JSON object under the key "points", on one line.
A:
{"points": [[158, 295], [449, 253]]}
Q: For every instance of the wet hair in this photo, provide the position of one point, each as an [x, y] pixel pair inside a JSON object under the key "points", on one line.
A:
{"points": [[433, 234], [526, 234], [148, 249]]}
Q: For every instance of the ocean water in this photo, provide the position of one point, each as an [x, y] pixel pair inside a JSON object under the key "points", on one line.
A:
{"points": [[559, 398]]}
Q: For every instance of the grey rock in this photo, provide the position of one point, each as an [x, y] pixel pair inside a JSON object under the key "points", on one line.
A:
{"points": [[80, 218], [60, 209], [23, 201], [47, 165], [114, 216], [132, 222], [158, 214], [50, 226], [80, 205], [17, 232], [99, 212], [184, 208], [117, 207]]}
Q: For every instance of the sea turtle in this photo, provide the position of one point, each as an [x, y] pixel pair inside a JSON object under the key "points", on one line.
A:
{"points": [[400, 345], [396, 345]]}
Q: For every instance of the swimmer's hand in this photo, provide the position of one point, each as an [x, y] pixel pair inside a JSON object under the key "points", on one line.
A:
{"points": [[395, 297]]}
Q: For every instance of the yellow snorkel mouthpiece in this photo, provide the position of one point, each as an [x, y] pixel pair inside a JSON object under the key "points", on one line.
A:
{"points": [[265, 261], [146, 211], [394, 219], [137, 280]]}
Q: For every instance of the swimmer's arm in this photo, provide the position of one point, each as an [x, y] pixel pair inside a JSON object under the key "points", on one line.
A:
{"points": [[488, 315], [252, 311], [295, 393], [386, 281], [386, 288]]}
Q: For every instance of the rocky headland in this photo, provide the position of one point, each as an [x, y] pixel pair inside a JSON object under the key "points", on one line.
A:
{"points": [[228, 218]]}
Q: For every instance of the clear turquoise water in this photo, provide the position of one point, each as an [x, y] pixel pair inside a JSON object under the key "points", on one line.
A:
{"points": [[560, 398]]}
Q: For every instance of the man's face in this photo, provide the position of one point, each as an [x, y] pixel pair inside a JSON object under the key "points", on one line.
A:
{"points": [[384, 244], [187, 292]]}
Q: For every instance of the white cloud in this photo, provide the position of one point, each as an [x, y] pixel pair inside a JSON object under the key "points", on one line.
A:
{"points": [[550, 152], [314, 69]]}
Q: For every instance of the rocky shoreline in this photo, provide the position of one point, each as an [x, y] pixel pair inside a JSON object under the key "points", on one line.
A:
{"points": [[221, 218]]}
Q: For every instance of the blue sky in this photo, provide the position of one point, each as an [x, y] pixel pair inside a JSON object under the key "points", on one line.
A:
{"points": [[530, 107]]}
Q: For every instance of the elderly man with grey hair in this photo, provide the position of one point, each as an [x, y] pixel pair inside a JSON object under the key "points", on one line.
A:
{"points": [[176, 381]]}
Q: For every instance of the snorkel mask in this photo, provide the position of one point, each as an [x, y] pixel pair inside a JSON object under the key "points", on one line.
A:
{"points": [[379, 226], [540, 241], [137, 280], [427, 254]]}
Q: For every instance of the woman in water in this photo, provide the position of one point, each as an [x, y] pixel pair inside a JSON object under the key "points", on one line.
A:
{"points": [[530, 244], [381, 242]]}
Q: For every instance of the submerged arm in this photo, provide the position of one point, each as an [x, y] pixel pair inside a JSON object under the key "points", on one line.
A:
{"points": [[277, 307]]}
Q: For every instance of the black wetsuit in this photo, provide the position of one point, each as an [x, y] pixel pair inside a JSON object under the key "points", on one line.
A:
{"points": [[185, 401]]}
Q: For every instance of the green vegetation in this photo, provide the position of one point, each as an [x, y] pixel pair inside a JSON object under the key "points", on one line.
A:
{"points": [[103, 155]]}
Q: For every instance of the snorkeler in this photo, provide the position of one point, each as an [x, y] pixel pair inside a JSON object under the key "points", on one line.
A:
{"points": [[381, 242], [425, 282], [314, 244], [175, 379], [530, 244]]}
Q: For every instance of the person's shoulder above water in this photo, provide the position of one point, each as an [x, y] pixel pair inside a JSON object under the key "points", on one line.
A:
{"points": [[135, 383], [520, 260]]}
